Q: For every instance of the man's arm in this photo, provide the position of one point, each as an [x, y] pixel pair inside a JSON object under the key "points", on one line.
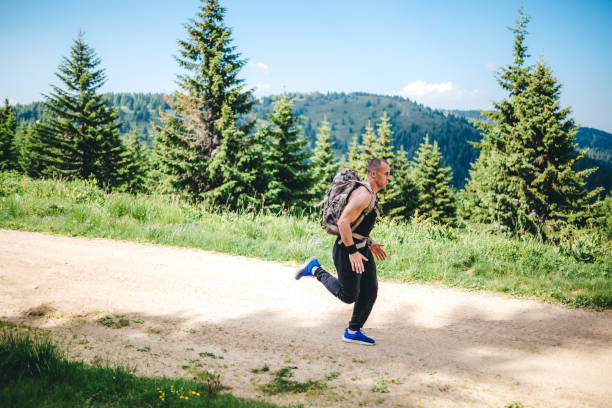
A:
{"points": [[358, 202]]}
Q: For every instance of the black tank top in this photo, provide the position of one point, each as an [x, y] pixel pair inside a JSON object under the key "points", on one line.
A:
{"points": [[366, 226]]}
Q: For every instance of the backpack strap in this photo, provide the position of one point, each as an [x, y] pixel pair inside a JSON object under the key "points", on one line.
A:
{"points": [[362, 216]]}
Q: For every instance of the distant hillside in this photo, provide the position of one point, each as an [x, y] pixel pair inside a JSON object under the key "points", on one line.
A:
{"points": [[350, 113]]}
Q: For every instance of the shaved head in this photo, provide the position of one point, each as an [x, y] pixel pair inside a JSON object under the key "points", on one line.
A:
{"points": [[375, 164]]}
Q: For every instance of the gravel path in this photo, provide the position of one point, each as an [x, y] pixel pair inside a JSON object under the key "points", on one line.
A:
{"points": [[437, 347]]}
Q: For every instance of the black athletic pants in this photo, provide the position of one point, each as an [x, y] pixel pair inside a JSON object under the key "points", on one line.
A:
{"points": [[351, 287]]}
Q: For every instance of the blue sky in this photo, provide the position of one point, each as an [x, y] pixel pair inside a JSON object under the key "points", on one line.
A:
{"points": [[443, 54]]}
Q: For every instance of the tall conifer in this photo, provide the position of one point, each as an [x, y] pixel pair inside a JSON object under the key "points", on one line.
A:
{"points": [[541, 153], [368, 150], [324, 164], [8, 130], [436, 196], [287, 160], [35, 153], [80, 128], [351, 160], [238, 172], [384, 149], [136, 167], [523, 179], [488, 193], [385, 139], [210, 98], [402, 193]]}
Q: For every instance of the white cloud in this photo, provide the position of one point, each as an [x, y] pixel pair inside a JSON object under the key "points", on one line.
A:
{"points": [[441, 95], [490, 66], [419, 89], [261, 66]]}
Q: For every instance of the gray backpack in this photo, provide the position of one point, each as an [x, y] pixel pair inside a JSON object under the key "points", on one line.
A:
{"points": [[337, 197]]}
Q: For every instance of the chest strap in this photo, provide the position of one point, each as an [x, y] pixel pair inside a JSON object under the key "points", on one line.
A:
{"points": [[361, 241]]}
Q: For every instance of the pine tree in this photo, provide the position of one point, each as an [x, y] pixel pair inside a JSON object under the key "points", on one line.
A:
{"points": [[324, 165], [20, 141], [384, 149], [385, 139], [352, 157], [402, 192], [80, 128], [175, 166], [523, 179], [369, 149], [136, 167], [542, 154], [211, 98], [489, 191], [8, 129], [287, 160], [237, 171], [35, 153], [436, 198]]}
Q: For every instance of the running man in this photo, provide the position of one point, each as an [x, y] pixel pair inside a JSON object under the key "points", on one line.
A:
{"points": [[353, 255]]}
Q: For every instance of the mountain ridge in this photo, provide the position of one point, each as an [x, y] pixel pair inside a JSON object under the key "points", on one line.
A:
{"points": [[349, 113]]}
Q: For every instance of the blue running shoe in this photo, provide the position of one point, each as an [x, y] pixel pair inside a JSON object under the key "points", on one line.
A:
{"points": [[306, 270], [358, 337]]}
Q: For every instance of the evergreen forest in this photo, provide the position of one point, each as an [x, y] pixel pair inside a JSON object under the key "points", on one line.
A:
{"points": [[348, 115], [524, 165]]}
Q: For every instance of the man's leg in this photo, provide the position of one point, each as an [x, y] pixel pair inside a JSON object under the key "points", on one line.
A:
{"points": [[346, 286], [367, 294]]}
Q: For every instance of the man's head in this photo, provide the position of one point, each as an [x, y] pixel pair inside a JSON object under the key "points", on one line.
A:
{"points": [[379, 174]]}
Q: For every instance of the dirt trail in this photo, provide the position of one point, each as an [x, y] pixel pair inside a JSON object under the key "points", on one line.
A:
{"points": [[436, 347]]}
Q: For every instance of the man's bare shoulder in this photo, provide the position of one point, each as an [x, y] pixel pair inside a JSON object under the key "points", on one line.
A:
{"points": [[360, 197]]}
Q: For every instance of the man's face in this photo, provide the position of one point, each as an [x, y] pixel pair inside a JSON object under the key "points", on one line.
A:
{"points": [[382, 175]]}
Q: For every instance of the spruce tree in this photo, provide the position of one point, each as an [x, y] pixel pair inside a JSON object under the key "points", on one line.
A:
{"points": [[402, 192], [352, 156], [287, 159], [35, 153], [80, 128], [384, 149], [523, 179], [369, 149], [385, 139], [542, 153], [174, 162], [136, 168], [210, 98], [486, 198], [237, 171], [20, 140], [324, 165], [8, 130], [436, 196]]}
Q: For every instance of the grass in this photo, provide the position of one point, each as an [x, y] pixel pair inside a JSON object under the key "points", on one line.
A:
{"points": [[35, 373], [281, 384], [577, 272]]}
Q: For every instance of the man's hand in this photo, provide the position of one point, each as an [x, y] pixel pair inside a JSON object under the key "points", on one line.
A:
{"points": [[378, 251], [357, 261]]}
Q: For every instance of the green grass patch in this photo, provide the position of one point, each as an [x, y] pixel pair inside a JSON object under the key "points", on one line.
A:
{"points": [[35, 373], [576, 272], [281, 384], [108, 321]]}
